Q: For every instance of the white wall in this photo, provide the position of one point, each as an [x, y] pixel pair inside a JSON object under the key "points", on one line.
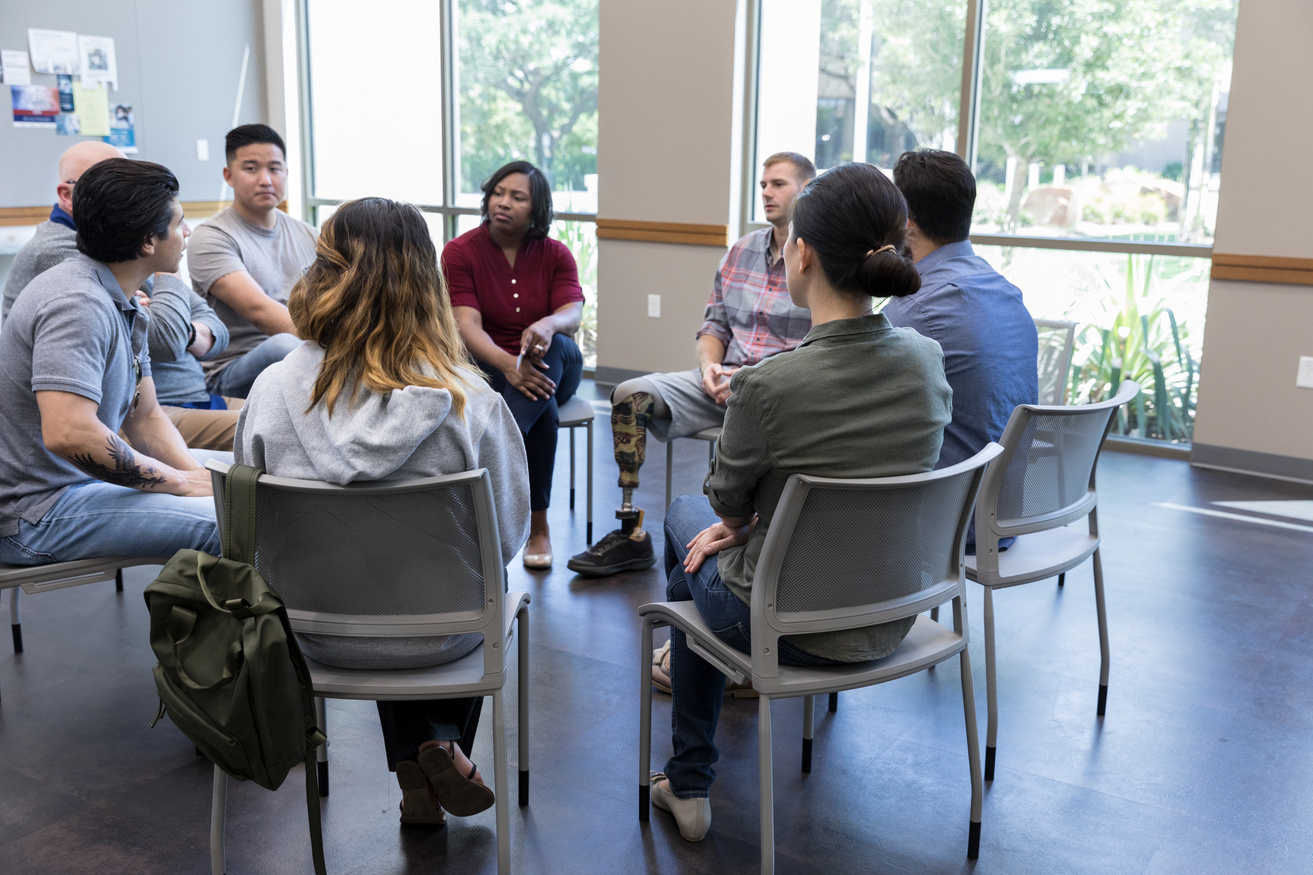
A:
{"points": [[666, 153], [1249, 407]]}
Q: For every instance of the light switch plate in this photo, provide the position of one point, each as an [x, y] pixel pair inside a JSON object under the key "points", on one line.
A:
{"points": [[202, 150], [1304, 379], [654, 306]]}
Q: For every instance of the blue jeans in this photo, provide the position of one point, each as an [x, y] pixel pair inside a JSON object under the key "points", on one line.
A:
{"points": [[96, 519], [235, 381], [697, 688], [539, 419]]}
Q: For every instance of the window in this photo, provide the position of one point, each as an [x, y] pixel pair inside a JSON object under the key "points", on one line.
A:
{"points": [[1103, 119], [1094, 127], [456, 90], [857, 80]]}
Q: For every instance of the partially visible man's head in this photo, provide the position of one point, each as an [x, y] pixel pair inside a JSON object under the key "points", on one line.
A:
{"points": [[257, 167], [120, 205], [940, 192], [783, 175], [74, 162]]}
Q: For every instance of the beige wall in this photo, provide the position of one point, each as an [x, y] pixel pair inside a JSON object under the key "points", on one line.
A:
{"points": [[1255, 332], [667, 152]]}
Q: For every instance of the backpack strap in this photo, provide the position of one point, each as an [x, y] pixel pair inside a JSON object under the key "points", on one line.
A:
{"points": [[312, 809], [239, 513]]}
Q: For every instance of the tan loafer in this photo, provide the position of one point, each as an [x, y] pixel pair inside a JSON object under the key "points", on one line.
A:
{"points": [[538, 560]]}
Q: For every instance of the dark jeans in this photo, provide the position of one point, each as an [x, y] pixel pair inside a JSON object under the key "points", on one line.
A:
{"points": [[408, 724], [539, 420], [697, 688]]}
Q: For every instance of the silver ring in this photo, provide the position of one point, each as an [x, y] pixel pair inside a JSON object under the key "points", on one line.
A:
{"points": [[538, 346]]}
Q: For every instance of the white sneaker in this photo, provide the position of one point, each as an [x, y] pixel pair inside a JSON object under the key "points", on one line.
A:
{"points": [[692, 815]]}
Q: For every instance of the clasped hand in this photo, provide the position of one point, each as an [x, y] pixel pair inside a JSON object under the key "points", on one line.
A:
{"points": [[715, 382], [528, 376]]}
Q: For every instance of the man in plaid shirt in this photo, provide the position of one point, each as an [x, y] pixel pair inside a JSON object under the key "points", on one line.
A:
{"points": [[749, 317]]}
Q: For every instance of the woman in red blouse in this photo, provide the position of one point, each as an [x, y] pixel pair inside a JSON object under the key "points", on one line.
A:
{"points": [[517, 300]]}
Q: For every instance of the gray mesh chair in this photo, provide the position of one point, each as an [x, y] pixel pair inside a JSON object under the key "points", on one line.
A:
{"points": [[707, 434], [578, 413], [820, 571], [408, 559], [1056, 339], [1042, 485]]}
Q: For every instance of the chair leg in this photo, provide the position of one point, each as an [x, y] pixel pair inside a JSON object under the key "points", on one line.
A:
{"points": [[1104, 653], [16, 620], [503, 810], [834, 703], [670, 468], [522, 657], [765, 789], [991, 687], [321, 754], [118, 580], [571, 430], [973, 757], [218, 811], [644, 720], [808, 730], [588, 483]]}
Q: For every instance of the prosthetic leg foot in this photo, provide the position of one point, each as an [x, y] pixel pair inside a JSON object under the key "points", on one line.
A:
{"points": [[628, 548]]}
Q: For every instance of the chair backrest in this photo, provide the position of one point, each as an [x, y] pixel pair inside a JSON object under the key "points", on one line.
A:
{"points": [[1045, 476], [1056, 339], [387, 559], [844, 554]]}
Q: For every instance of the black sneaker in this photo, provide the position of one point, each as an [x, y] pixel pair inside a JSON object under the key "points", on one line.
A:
{"points": [[614, 553]]}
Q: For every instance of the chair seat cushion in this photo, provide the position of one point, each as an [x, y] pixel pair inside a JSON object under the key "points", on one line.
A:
{"points": [[1038, 555], [926, 644], [575, 412]]}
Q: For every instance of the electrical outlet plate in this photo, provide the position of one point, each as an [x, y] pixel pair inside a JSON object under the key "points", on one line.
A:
{"points": [[1304, 378], [654, 306]]}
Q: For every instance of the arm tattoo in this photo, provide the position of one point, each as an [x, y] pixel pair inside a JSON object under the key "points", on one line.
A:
{"points": [[126, 471]]}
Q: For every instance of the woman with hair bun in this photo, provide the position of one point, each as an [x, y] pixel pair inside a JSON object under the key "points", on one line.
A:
{"points": [[383, 389], [857, 398]]}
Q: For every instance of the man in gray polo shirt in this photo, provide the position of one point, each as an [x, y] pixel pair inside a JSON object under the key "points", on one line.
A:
{"points": [[182, 329], [247, 258], [75, 370]]}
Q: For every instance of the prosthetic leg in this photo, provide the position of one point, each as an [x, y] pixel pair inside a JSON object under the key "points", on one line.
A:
{"points": [[629, 547]]}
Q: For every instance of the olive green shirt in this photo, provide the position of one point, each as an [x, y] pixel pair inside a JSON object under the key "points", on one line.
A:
{"points": [[857, 398]]}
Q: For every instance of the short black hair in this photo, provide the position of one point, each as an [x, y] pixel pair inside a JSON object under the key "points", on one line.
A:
{"points": [[855, 220], [940, 192], [120, 204], [245, 135], [540, 193]]}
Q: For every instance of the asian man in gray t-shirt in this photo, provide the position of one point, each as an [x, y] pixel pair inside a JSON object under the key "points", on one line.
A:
{"points": [[247, 258]]}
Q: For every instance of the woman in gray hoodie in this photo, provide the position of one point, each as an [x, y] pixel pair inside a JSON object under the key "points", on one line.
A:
{"points": [[384, 390]]}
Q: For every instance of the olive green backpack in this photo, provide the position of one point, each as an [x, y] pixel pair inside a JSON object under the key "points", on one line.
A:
{"points": [[230, 673]]}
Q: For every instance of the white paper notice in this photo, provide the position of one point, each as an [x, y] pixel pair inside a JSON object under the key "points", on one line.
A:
{"points": [[53, 51], [17, 70], [96, 54]]}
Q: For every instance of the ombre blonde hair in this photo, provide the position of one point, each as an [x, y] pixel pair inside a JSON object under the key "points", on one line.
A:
{"points": [[375, 300]]}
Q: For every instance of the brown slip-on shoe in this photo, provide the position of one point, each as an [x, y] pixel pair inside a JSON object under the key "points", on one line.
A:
{"points": [[462, 795]]}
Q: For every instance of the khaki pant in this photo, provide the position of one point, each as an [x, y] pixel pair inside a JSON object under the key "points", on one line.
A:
{"points": [[207, 429]]}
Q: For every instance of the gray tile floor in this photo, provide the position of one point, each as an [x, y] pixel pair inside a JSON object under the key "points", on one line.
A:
{"points": [[1202, 764]]}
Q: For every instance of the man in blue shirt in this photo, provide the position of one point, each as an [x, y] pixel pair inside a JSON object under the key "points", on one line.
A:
{"points": [[991, 348]]}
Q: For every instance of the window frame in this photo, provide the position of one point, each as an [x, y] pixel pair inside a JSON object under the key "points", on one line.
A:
{"points": [[449, 74]]}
